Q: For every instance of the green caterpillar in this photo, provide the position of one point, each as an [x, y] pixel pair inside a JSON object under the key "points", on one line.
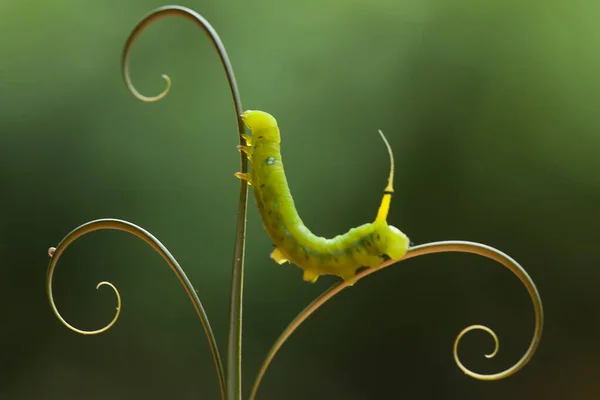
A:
{"points": [[365, 246]]}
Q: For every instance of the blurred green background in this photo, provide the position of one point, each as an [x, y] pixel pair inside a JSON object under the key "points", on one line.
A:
{"points": [[491, 108]]}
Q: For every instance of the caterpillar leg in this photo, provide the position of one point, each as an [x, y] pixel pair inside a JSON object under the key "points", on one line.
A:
{"points": [[247, 150], [245, 177], [248, 139], [278, 256], [349, 278], [310, 276]]}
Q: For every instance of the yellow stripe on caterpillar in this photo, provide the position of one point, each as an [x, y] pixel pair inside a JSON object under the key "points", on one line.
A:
{"points": [[365, 246]]}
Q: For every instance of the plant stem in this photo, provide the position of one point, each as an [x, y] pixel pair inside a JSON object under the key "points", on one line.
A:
{"points": [[234, 345], [424, 249], [116, 224]]}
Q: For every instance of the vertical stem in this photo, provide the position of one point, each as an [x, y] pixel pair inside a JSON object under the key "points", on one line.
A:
{"points": [[234, 345]]}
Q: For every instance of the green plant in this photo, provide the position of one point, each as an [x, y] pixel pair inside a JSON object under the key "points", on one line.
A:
{"points": [[230, 380]]}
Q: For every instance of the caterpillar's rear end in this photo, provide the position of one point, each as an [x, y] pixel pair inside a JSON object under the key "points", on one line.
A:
{"points": [[365, 246]]}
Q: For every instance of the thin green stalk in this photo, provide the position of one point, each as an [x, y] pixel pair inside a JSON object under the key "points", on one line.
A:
{"points": [[234, 348]]}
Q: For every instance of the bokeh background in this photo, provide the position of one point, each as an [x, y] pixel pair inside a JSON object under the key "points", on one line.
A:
{"points": [[491, 108]]}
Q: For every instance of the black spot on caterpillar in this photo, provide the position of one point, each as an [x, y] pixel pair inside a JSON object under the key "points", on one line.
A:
{"points": [[343, 255]]}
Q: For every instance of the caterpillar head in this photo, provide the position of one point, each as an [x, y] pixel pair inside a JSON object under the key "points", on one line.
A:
{"points": [[392, 242], [263, 125]]}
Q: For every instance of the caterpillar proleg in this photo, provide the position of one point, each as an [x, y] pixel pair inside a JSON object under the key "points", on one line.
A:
{"points": [[365, 246]]}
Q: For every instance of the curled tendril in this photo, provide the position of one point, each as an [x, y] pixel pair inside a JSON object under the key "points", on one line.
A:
{"points": [[234, 348], [147, 237], [469, 329], [430, 248], [71, 327], [193, 16]]}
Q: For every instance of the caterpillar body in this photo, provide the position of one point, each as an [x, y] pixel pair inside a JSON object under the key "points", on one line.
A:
{"points": [[365, 246]]}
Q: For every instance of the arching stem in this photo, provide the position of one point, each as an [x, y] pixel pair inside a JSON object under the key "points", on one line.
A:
{"points": [[430, 248], [115, 224]]}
